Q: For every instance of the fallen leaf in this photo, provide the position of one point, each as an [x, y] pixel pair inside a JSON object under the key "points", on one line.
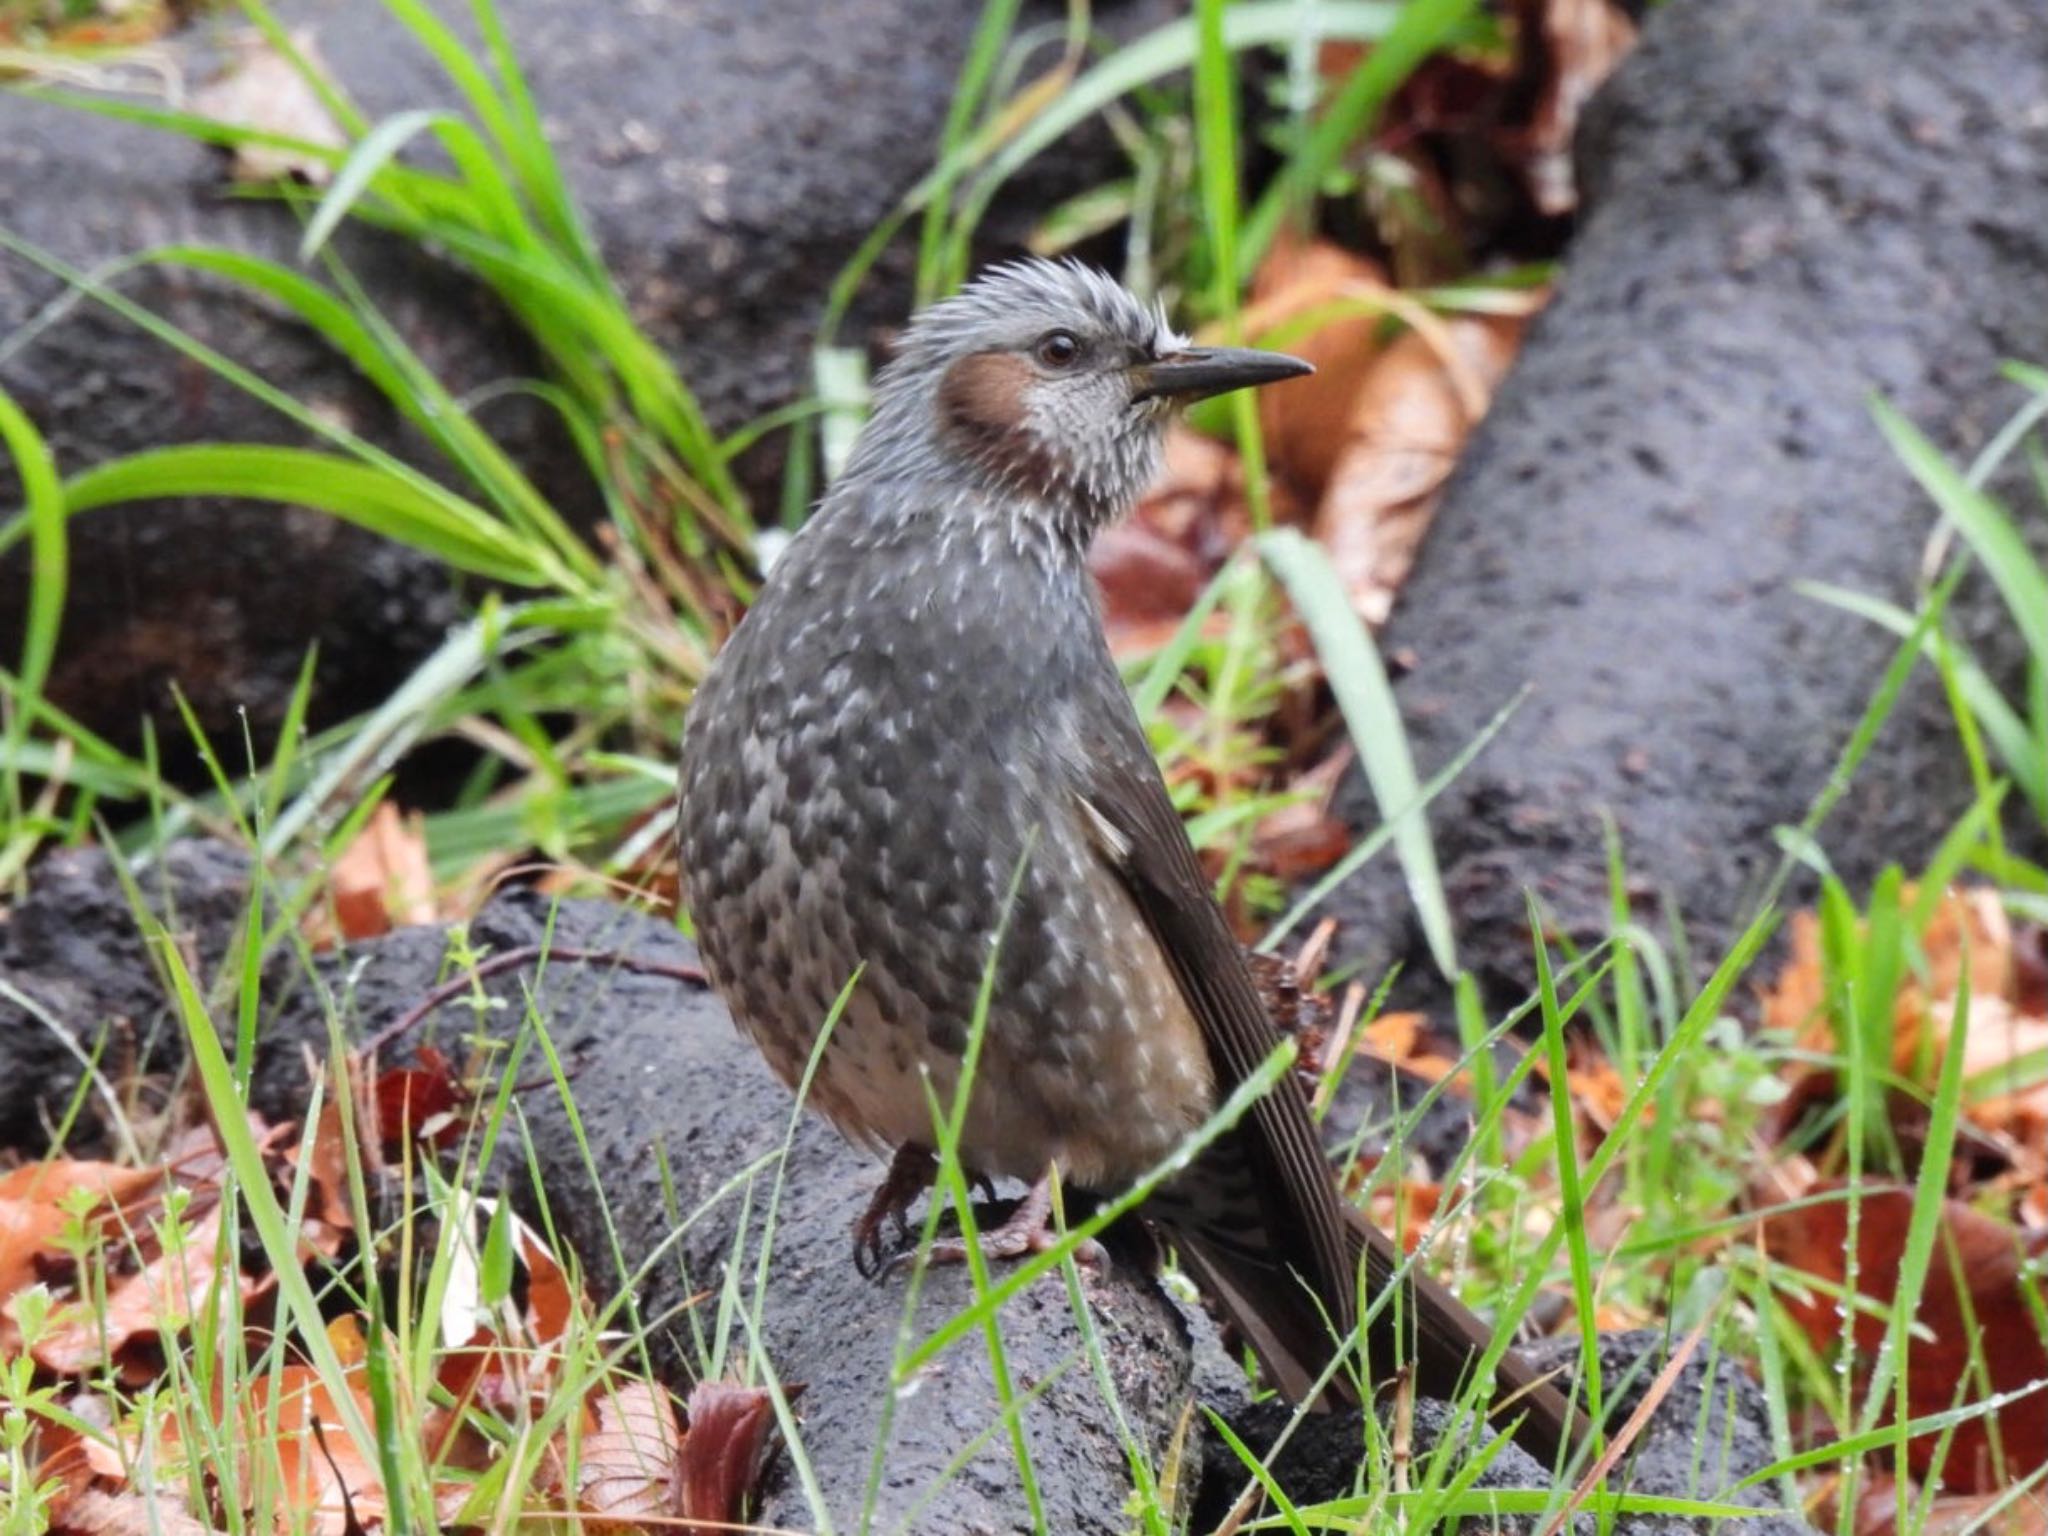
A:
{"points": [[550, 1298], [97, 1512], [34, 1208], [1994, 1312], [382, 879], [166, 1294], [731, 1433], [1947, 1514], [262, 90], [1303, 425], [330, 1212], [321, 1467], [1407, 428], [629, 1465], [1571, 46], [419, 1102]]}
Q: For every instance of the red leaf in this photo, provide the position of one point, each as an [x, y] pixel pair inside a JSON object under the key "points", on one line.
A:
{"points": [[732, 1430]]}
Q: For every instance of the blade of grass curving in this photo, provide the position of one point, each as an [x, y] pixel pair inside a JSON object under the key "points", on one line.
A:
{"points": [[1983, 524], [1351, 662], [397, 507], [1216, 164], [998, 18], [2009, 734], [49, 555], [1572, 1192], [370, 155]]}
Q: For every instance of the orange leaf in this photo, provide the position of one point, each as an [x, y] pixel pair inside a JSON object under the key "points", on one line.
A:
{"points": [[33, 1202], [1407, 425], [166, 1294], [382, 879], [1303, 425], [1989, 1256], [732, 1430]]}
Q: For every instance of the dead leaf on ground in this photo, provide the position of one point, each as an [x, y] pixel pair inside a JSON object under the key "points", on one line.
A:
{"points": [[419, 1102], [383, 880], [1407, 427], [35, 1201], [1569, 47], [1304, 424], [731, 1434], [1989, 1257], [318, 1459], [166, 1294], [262, 90], [629, 1465], [97, 1512]]}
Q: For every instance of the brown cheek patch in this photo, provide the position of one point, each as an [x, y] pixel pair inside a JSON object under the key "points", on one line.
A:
{"points": [[983, 401]]}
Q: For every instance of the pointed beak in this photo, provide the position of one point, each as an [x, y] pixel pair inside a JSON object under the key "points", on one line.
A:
{"points": [[1200, 372]]}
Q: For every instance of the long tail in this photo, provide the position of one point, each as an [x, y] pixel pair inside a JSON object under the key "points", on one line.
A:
{"points": [[1427, 1328]]}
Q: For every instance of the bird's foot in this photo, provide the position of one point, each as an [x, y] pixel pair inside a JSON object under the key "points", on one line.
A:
{"points": [[1027, 1230], [910, 1174]]}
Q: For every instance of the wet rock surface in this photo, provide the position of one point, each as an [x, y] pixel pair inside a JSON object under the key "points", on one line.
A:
{"points": [[1787, 208], [675, 1109], [1707, 1433], [730, 157], [668, 1098]]}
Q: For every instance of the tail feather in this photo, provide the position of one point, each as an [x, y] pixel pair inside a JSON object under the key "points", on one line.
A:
{"points": [[1294, 1333]]}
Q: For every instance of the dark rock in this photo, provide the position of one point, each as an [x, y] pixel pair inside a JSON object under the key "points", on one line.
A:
{"points": [[1708, 1433], [1788, 207], [77, 977], [668, 1096], [730, 155]]}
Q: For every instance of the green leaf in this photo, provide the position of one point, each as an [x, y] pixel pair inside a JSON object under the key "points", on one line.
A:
{"points": [[1351, 662], [413, 512], [359, 170]]}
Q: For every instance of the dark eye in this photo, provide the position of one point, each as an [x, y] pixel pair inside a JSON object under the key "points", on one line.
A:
{"points": [[1057, 349]]}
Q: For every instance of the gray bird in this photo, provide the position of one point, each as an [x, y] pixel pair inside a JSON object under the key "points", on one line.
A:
{"points": [[920, 708]]}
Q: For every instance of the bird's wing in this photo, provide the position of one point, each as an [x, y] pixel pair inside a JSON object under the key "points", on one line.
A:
{"points": [[1139, 835]]}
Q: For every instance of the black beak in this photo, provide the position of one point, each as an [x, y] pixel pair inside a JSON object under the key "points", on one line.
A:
{"points": [[1200, 372]]}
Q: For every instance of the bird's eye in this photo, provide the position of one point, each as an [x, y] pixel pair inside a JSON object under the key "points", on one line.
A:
{"points": [[1058, 349]]}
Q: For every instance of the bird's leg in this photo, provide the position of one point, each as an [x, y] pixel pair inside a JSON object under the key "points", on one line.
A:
{"points": [[910, 1174], [1027, 1230]]}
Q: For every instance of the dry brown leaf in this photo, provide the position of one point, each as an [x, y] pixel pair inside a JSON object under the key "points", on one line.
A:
{"points": [[97, 1512], [1574, 45], [318, 1460], [629, 1465], [167, 1293], [1408, 424], [33, 1201], [550, 1299], [262, 90], [330, 1214], [382, 879], [732, 1432], [1304, 424], [1989, 1256]]}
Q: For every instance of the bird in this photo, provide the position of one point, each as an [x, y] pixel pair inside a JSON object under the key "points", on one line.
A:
{"points": [[914, 762]]}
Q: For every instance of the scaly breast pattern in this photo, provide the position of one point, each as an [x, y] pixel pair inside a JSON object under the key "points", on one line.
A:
{"points": [[879, 754]]}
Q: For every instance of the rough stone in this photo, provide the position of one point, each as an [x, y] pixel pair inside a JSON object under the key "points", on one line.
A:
{"points": [[1787, 208]]}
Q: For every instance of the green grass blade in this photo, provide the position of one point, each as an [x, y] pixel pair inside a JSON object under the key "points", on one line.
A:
{"points": [[1352, 664]]}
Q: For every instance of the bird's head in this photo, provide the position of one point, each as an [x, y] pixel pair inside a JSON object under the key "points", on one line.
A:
{"points": [[1050, 384]]}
